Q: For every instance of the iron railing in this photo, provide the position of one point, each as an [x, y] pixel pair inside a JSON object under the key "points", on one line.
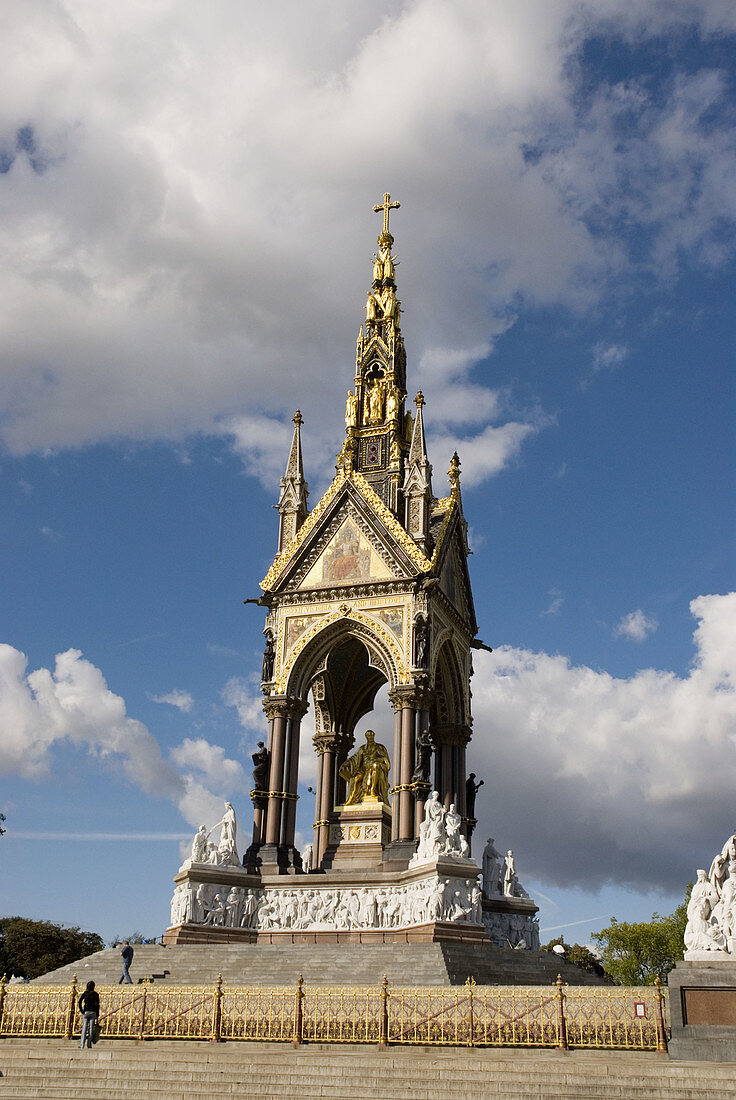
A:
{"points": [[562, 1016]]}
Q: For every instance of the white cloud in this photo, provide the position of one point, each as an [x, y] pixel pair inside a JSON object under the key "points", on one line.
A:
{"points": [[556, 600], [592, 778], [42, 709], [244, 694], [606, 357], [210, 762], [182, 700], [481, 456], [187, 203], [73, 703], [636, 626]]}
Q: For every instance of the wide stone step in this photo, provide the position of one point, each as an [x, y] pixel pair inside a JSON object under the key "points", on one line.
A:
{"points": [[323, 964], [126, 1070]]}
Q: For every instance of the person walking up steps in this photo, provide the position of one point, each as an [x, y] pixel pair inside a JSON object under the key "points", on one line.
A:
{"points": [[89, 1006], [127, 955]]}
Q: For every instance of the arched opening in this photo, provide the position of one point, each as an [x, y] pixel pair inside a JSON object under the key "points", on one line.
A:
{"points": [[343, 676], [450, 727]]}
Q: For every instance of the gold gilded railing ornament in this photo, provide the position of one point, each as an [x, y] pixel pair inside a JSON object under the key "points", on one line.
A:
{"points": [[297, 1037], [661, 1029], [217, 1012], [72, 1008], [590, 1018], [561, 1021]]}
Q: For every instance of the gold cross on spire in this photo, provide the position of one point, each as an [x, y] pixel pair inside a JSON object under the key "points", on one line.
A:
{"points": [[386, 205]]}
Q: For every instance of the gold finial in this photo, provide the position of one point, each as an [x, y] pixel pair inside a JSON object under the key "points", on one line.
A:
{"points": [[454, 475], [419, 399], [385, 240], [297, 418]]}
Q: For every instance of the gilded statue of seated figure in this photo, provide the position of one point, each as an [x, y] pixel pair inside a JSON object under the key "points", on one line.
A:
{"points": [[367, 772]]}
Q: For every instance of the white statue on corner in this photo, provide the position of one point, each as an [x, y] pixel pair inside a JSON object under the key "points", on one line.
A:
{"points": [[711, 910], [439, 833], [492, 861], [227, 850]]}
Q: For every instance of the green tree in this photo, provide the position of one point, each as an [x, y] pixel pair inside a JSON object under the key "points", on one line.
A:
{"points": [[635, 953], [578, 954], [29, 948]]}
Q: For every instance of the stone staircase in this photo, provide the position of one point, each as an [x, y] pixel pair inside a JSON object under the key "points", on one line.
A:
{"points": [[325, 964], [34, 1069]]}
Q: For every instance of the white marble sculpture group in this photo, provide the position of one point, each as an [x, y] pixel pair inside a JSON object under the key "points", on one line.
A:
{"points": [[711, 911], [223, 854], [438, 898], [515, 930], [434, 896], [439, 833], [499, 874]]}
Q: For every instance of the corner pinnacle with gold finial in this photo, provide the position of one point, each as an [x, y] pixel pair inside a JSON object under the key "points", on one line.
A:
{"points": [[454, 475]]}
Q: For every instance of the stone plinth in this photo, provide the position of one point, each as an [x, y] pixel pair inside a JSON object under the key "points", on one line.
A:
{"points": [[357, 835], [703, 1010], [509, 921], [438, 900]]}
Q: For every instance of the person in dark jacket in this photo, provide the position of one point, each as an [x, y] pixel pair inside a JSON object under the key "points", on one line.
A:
{"points": [[127, 954], [89, 1006]]}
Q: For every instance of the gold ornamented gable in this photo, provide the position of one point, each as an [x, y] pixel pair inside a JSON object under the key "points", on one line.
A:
{"points": [[347, 559], [350, 538]]}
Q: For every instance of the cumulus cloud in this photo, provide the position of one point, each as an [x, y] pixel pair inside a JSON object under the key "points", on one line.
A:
{"points": [[594, 779], [210, 762], [182, 700], [244, 694], [636, 626], [183, 191], [73, 703]]}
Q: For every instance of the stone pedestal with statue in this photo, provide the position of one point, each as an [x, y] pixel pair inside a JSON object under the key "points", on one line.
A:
{"points": [[703, 986]]}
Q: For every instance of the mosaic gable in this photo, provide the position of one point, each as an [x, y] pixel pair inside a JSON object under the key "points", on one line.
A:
{"points": [[347, 559]]}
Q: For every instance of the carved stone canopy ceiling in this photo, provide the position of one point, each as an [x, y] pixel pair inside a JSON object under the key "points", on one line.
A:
{"points": [[350, 685]]}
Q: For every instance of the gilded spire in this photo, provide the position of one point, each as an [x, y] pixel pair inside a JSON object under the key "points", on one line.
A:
{"points": [[454, 475], [417, 486], [292, 506], [376, 428], [418, 449], [383, 309]]}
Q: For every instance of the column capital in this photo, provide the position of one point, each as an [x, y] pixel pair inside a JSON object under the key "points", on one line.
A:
{"points": [[416, 696], [451, 735], [331, 742], [284, 706]]}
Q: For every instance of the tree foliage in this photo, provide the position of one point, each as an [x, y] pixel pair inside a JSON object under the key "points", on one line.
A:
{"points": [[29, 948], [635, 953], [578, 954]]}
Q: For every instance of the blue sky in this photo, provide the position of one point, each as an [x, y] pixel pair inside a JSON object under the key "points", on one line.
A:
{"points": [[187, 233]]}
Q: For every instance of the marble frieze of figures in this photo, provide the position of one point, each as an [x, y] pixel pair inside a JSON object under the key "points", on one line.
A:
{"points": [[436, 898], [711, 911], [517, 930]]}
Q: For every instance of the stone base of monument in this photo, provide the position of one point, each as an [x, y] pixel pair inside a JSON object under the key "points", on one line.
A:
{"points": [[357, 836], [703, 1008], [434, 901], [431, 932], [511, 922], [199, 933]]}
